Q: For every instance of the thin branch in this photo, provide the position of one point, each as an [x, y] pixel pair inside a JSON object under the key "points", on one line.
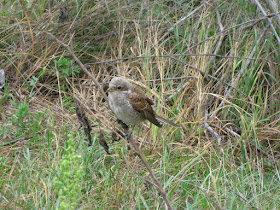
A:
{"points": [[222, 35], [234, 83], [243, 198], [177, 91], [208, 75], [178, 22], [268, 20], [211, 130], [230, 28], [200, 71], [84, 69], [152, 174], [11, 142], [173, 78], [172, 56], [206, 125], [88, 65], [274, 8]]}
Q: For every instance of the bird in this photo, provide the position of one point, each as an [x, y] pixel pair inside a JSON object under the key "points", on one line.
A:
{"points": [[131, 105]]}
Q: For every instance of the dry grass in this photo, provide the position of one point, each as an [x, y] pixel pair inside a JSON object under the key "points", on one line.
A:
{"points": [[195, 170]]}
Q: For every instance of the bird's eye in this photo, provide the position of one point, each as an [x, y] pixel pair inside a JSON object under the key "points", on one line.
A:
{"points": [[119, 87]]}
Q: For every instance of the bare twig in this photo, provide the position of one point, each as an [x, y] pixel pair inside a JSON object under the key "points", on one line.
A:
{"points": [[178, 22], [232, 132], [243, 198], [208, 75], [152, 174], [11, 142], [230, 28], [207, 126], [269, 21], [176, 55], [234, 83], [80, 64], [173, 78], [221, 37], [178, 90], [171, 56], [274, 8]]}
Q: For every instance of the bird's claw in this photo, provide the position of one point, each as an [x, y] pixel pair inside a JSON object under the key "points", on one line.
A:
{"points": [[128, 135]]}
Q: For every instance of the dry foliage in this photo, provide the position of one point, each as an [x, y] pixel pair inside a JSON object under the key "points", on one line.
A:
{"points": [[210, 68]]}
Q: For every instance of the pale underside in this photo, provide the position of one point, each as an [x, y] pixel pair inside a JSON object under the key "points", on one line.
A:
{"points": [[123, 109]]}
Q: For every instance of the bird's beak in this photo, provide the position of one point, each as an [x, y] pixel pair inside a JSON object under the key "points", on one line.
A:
{"points": [[110, 90]]}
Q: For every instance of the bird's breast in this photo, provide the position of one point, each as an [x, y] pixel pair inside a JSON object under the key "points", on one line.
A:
{"points": [[122, 108]]}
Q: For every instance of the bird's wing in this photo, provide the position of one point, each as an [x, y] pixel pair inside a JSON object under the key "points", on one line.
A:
{"points": [[142, 95], [143, 106]]}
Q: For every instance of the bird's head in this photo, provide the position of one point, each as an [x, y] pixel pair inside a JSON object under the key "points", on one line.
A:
{"points": [[118, 84]]}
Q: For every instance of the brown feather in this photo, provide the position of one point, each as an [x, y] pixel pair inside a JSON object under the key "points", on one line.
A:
{"points": [[142, 95], [143, 106]]}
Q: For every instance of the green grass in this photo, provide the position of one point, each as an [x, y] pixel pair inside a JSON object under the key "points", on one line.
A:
{"points": [[37, 108]]}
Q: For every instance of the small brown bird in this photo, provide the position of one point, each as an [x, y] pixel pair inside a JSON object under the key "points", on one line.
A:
{"points": [[130, 104]]}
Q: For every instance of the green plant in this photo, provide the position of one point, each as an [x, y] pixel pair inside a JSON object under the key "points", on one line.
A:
{"points": [[67, 183], [65, 68], [5, 96], [21, 119]]}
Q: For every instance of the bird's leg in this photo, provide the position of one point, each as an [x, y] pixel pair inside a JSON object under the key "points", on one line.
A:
{"points": [[128, 135], [125, 126]]}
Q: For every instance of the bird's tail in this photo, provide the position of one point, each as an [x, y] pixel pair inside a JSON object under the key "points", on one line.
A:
{"points": [[167, 122]]}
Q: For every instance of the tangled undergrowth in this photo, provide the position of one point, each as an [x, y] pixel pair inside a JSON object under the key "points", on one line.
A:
{"points": [[210, 66]]}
